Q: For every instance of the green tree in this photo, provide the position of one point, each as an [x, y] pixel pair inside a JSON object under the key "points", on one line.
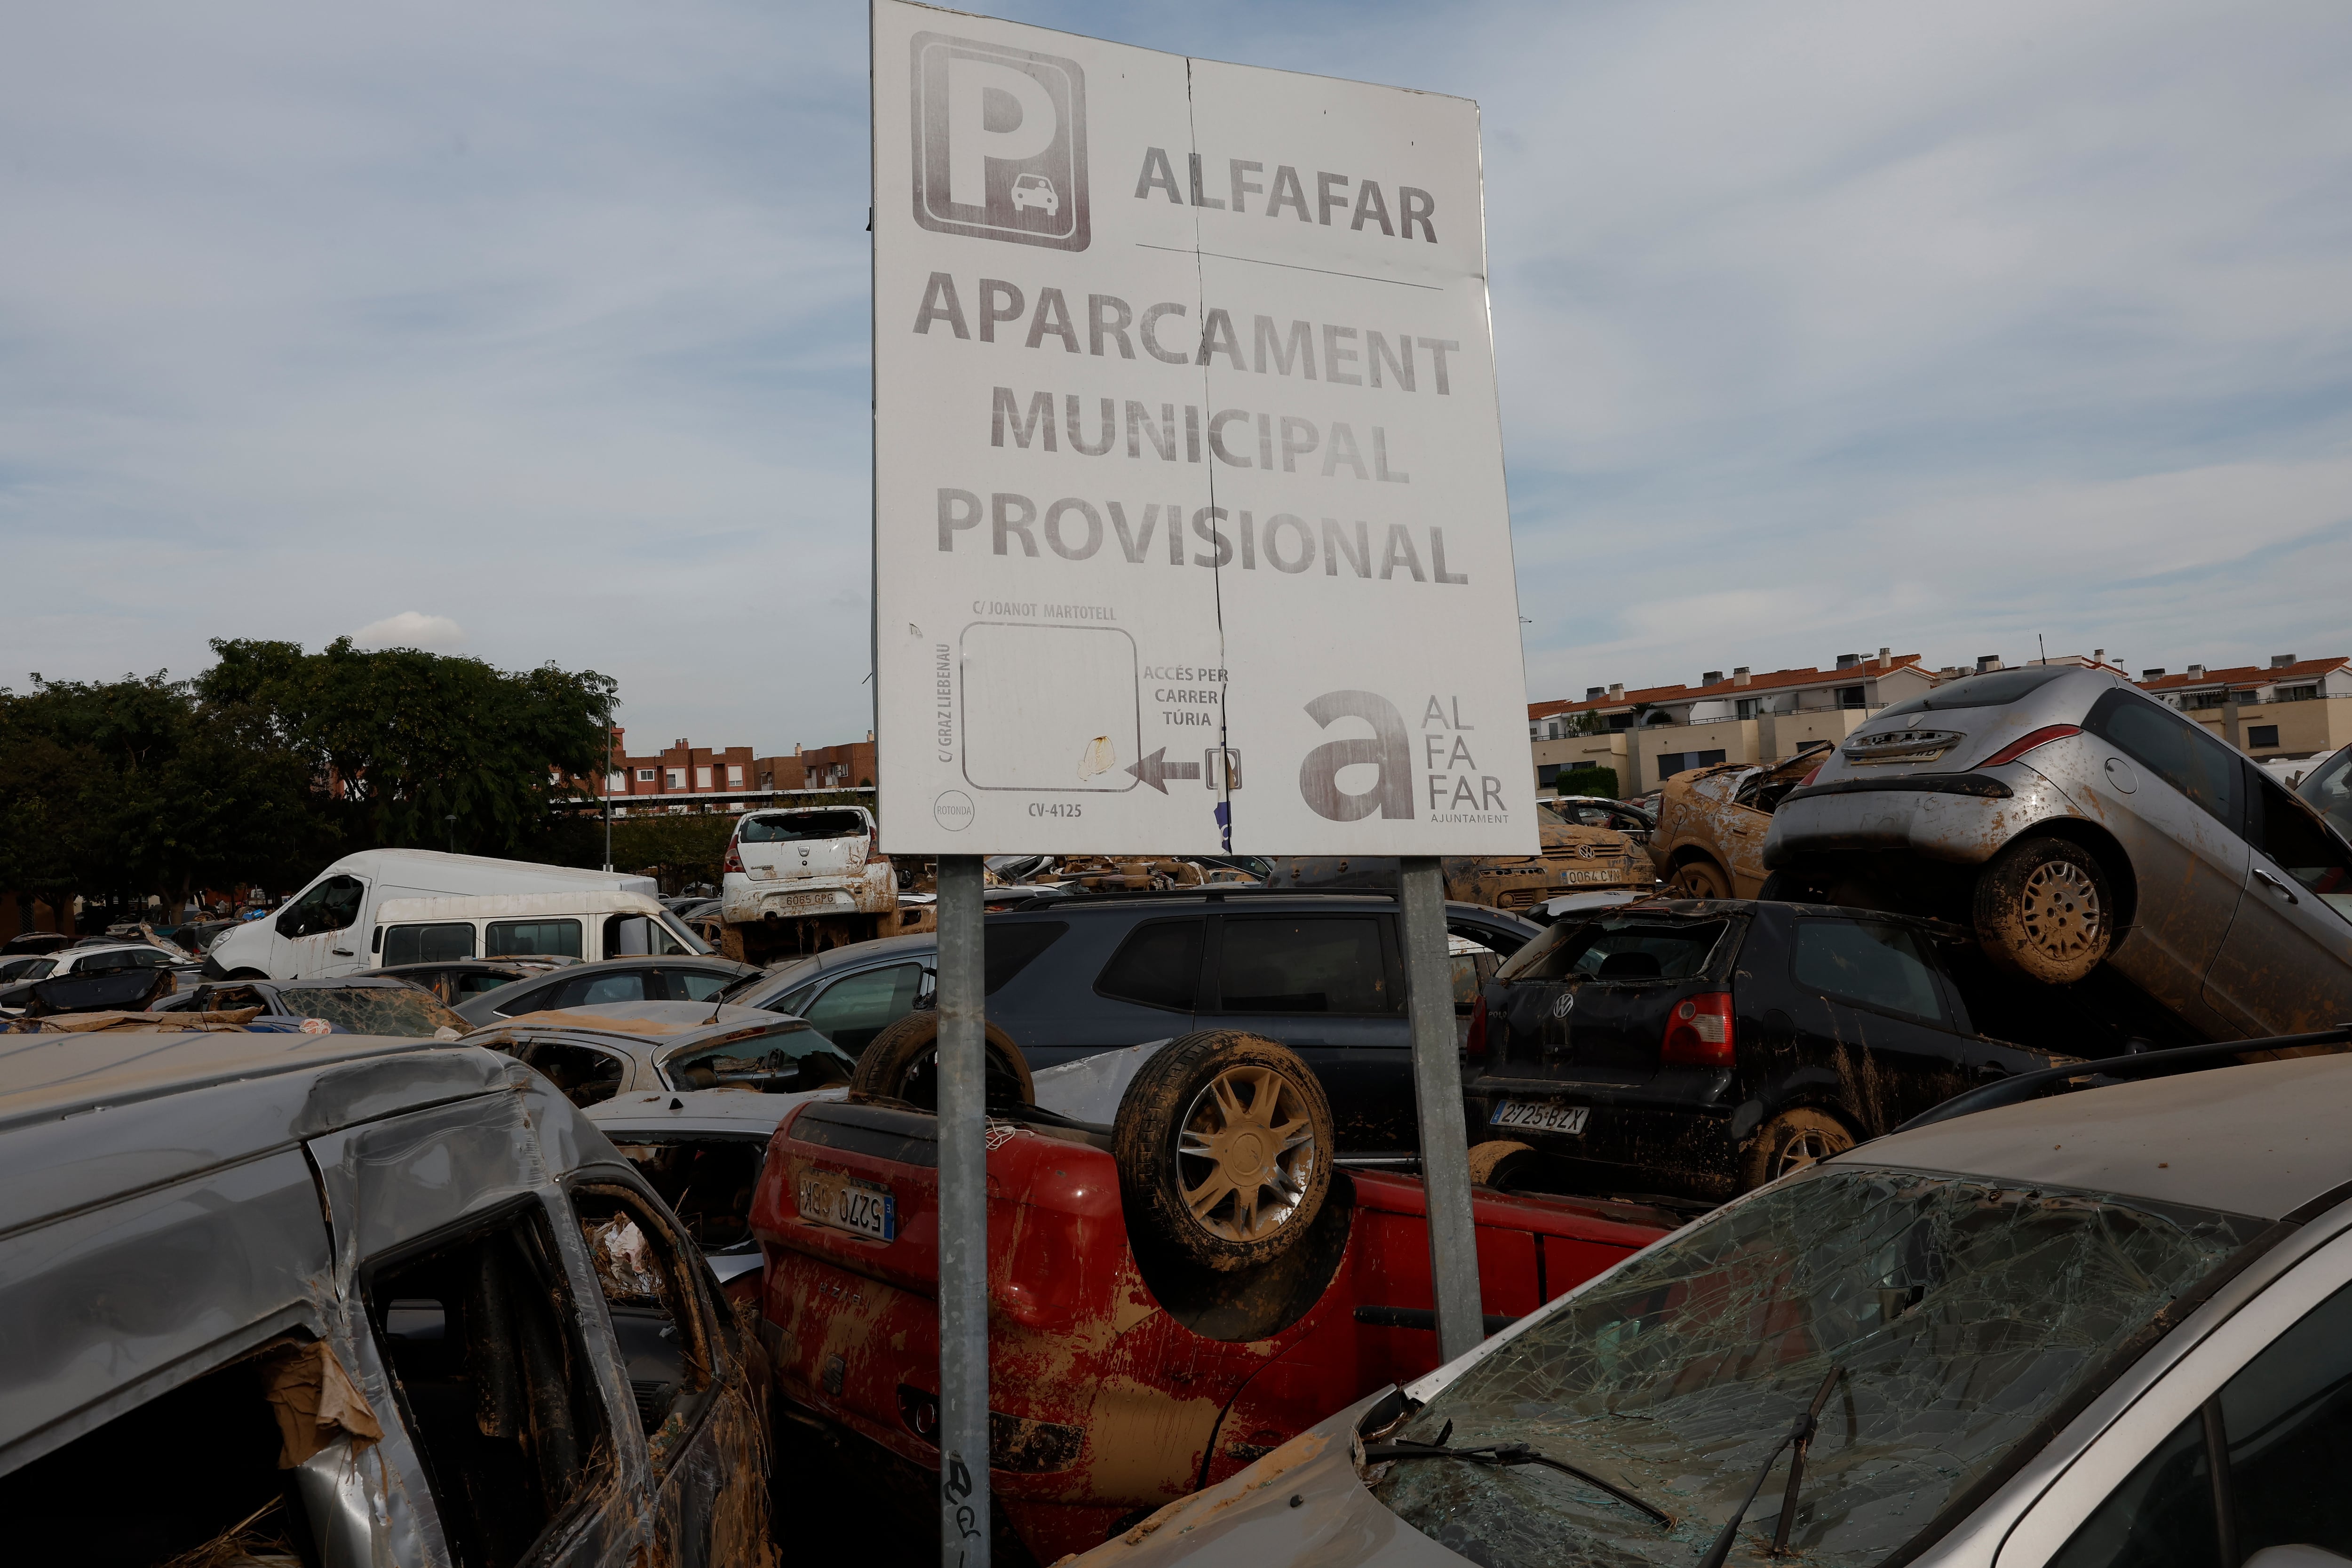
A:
{"points": [[403, 741]]}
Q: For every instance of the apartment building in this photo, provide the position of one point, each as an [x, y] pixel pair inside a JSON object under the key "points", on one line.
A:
{"points": [[683, 776], [2294, 709]]}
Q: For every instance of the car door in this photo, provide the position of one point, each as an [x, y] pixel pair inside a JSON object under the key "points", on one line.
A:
{"points": [[2241, 1446], [685, 1373], [2285, 966], [1874, 1020], [851, 1008], [2175, 798], [314, 932], [1330, 987]]}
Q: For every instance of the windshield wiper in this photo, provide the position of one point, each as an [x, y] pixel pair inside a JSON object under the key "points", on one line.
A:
{"points": [[1801, 1436], [1503, 1456]]}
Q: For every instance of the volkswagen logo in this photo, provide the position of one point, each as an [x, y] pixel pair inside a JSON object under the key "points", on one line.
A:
{"points": [[1565, 1005]]}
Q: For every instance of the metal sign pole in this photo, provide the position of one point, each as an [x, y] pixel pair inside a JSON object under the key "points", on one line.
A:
{"points": [[964, 1220], [1437, 1093]]}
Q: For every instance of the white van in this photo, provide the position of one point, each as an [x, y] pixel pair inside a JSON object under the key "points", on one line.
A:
{"points": [[583, 925], [323, 929]]}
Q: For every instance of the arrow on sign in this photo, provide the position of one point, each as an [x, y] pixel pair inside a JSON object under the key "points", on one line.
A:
{"points": [[1156, 767]]}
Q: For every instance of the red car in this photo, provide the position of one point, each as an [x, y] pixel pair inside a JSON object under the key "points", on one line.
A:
{"points": [[1123, 1373]]}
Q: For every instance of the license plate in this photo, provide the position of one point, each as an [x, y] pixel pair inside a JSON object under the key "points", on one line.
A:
{"points": [[1541, 1115], [790, 901], [846, 1202]]}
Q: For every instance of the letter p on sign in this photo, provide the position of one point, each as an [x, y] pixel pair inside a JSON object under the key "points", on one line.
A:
{"points": [[1000, 143]]}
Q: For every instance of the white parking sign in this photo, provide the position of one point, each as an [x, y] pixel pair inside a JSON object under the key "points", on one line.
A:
{"points": [[1190, 528]]}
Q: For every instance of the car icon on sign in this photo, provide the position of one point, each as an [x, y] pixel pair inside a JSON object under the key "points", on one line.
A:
{"points": [[1036, 191]]}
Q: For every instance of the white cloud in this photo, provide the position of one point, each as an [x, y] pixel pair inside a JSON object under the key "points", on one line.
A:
{"points": [[410, 628]]}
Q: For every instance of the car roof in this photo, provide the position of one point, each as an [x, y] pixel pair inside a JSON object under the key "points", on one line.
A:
{"points": [[87, 1116], [340, 982], [647, 1020], [2265, 1139], [700, 1110]]}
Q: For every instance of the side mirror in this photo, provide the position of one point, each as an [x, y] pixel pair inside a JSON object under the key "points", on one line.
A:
{"points": [[289, 922]]}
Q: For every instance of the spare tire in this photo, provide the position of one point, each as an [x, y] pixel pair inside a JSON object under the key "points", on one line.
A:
{"points": [[902, 1062], [1223, 1143]]}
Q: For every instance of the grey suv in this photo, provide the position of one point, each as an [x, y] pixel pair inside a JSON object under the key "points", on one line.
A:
{"points": [[2072, 819]]}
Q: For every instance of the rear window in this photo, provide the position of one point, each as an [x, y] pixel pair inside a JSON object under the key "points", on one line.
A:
{"points": [[1618, 950], [515, 939], [793, 827], [407, 1012], [428, 944], [1863, 961], [778, 1059], [1997, 690]]}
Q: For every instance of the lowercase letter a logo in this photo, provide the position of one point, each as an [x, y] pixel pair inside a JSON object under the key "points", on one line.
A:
{"points": [[1000, 143]]}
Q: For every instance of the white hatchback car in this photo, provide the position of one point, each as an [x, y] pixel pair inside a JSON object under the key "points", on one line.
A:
{"points": [[2111, 1329]]}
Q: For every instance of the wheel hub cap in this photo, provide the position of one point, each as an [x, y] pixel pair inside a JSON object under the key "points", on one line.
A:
{"points": [[2062, 915], [1245, 1153]]}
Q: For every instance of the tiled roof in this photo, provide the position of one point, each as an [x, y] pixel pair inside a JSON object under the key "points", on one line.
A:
{"points": [[2248, 674], [1769, 680]]}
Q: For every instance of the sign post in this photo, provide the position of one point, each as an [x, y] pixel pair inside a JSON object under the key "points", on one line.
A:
{"points": [[963, 1220], [1190, 528]]}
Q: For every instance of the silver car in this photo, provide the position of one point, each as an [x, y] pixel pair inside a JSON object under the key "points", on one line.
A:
{"points": [[2107, 1329], [2074, 820]]}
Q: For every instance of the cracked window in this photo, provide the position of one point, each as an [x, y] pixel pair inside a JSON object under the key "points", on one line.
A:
{"points": [[408, 1012], [1962, 1311]]}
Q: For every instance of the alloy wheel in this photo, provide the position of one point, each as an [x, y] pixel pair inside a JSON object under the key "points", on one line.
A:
{"points": [[1245, 1153]]}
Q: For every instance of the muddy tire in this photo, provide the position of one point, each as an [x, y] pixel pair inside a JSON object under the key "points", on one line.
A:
{"points": [[1699, 879], [730, 943], [1497, 1163], [902, 1062], [2043, 908], [1792, 1140], [1225, 1143]]}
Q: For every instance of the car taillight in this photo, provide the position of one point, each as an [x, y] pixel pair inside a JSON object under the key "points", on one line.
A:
{"points": [[2024, 744], [1475, 1047], [873, 843], [1698, 1032], [734, 861], [1807, 782]]}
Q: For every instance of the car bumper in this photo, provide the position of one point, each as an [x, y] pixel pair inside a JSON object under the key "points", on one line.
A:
{"points": [[871, 890], [1637, 1140], [1962, 818]]}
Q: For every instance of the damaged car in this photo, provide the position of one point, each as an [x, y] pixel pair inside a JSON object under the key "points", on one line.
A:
{"points": [[1712, 824], [1173, 1293], [329, 1301], [1575, 857], [2073, 821], [2015, 1338], [382, 1005], [595, 1053], [1698, 1050]]}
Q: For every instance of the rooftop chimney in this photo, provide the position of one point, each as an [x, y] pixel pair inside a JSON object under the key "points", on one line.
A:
{"points": [[1885, 657], [1712, 678], [1616, 689], [1594, 693], [1986, 661], [2281, 661], [2196, 672], [1739, 675], [1848, 660], [2155, 674], [2098, 656], [869, 736], [679, 741]]}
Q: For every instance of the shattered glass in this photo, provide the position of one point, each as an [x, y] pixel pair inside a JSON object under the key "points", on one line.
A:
{"points": [[403, 1011], [1962, 1311]]}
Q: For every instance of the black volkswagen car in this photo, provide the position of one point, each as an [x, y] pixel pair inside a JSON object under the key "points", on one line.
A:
{"points": [[1698, 1049]]}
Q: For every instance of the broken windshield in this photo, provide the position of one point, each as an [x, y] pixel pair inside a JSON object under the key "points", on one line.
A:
{"points": [[793, 827], [406, 1011], [1962, 1311]]}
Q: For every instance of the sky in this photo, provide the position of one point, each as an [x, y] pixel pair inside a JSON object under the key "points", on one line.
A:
{"points": [[538, 332]]}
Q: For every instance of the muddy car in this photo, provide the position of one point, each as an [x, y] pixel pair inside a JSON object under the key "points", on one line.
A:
{"points": [[2012, 1338], [804, 880], [459, 980], [595, 1053], [679, 977], [1712, 823], [380, 1006], [1158, 1318], [358, 1301], [2072, 821], [1575, 859], [1698, 1050]]}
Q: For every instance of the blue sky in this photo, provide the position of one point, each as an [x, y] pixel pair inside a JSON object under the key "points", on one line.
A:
{"points": [[1821, 327]]}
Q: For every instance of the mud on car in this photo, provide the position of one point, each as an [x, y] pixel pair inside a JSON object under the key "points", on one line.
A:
{"points": [[1699, 1048], [1171, 1295], [2072, 820]]}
